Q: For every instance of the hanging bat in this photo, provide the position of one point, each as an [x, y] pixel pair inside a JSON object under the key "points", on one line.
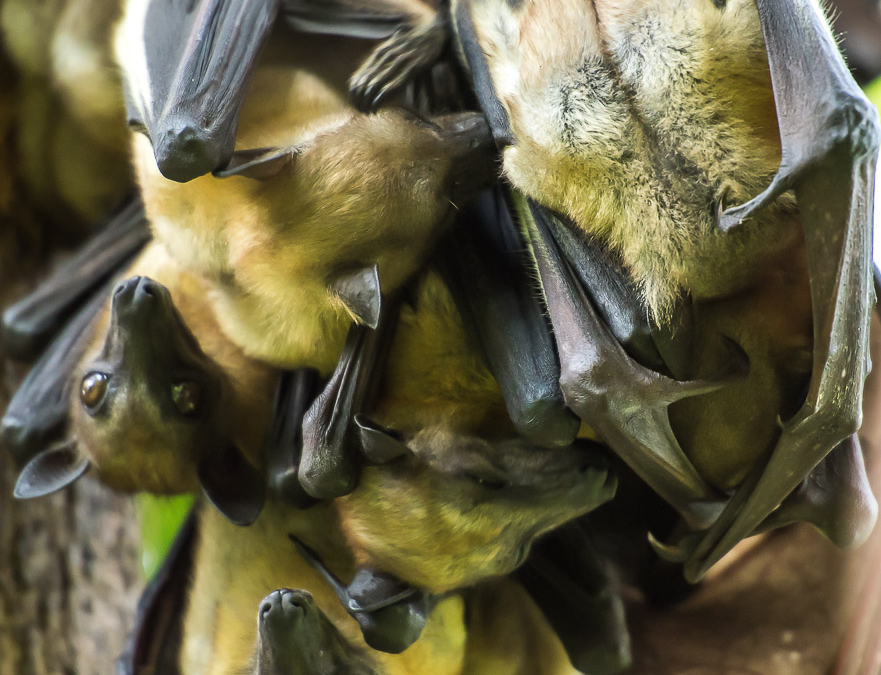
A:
{"points": [[352, 191], [159, 400], [187, 66], [235, 567], [592, 140]]}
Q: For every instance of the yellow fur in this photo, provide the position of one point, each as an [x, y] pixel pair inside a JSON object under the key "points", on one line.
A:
{"points": [[236, 567], [362, 190]]}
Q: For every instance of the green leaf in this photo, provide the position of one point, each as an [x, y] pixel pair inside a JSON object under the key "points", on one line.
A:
{"points": [[161, 518]]}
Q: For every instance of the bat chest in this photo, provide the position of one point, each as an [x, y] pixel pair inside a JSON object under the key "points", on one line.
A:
{"points": [[642, 135]]}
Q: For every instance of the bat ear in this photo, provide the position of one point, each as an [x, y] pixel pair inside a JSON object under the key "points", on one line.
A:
{"points": [[260, 163], [50, 471], [234, 486], [380, 445], [360, 292]]}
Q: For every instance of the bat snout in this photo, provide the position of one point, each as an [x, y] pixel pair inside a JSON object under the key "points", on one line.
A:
{"points": [[284, 606], [138, 298]]}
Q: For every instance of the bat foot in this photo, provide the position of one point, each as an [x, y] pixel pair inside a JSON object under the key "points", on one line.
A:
{"points": [[394, 62]]}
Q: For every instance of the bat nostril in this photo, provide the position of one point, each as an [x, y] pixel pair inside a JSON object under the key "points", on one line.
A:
{"points": [[265, 609]]}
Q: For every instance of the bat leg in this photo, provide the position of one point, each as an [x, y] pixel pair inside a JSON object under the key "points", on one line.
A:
{"points": [[830, 136], [30, 323], [624, 402], [835, 497], [412, 48], [284, 443], [329, 463], [484, 269]]}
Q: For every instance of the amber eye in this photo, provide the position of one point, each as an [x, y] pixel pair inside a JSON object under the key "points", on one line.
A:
{"points": [[93, 388], [187, 396]]}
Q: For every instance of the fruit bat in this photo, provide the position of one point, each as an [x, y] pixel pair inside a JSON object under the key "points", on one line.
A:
{"points": [[236, 567], [188, 65], [310, 162], [152, 410], [648, 130]]}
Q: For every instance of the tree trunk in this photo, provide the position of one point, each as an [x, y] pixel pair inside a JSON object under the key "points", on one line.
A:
{"points": [[69, 578]]}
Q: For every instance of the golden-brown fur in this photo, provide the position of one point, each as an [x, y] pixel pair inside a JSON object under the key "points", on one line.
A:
{"points": [[362, 190], [424, 517]]}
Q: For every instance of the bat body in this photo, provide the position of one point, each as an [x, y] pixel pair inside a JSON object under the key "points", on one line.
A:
{"points": [[289, 239], [160, 400], [437, 505], [236, 566]]}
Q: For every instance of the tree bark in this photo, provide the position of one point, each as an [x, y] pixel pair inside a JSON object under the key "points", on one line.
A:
{"points": [[69, 575]]}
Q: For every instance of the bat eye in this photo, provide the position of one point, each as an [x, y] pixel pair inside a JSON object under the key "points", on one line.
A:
{"points": [[92, 390], [485, 481], [187, 397]]}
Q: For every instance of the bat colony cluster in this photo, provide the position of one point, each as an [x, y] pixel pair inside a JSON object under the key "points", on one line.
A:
{"points": [[409, 291]]}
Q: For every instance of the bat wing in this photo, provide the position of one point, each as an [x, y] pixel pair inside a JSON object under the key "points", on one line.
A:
{"points": [[623, 401], [155, 642], [484, 268], [284, 444], [190, 70], [830, 137], [330, 460], [37, 414], [569, 582], [33, 321]]}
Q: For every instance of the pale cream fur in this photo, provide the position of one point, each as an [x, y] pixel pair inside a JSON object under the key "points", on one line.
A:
{"points": [[635, 119]]}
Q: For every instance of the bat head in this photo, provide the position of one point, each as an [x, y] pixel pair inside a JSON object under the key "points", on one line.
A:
{"points": [[294, 636], [444, 510], [150, 411]]}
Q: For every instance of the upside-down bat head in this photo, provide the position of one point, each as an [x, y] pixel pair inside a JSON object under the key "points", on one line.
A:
{"points": [[294, 637], [149, 411], [445, 511]]}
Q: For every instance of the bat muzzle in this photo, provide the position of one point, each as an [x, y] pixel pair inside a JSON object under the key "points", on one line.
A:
{"points": [[186, 150]]}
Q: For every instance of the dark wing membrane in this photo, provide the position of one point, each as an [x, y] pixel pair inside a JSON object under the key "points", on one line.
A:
{"points": [[38, 412], [330, 459], [198, 57], [155, 642], [830, 137], [374, 21], [33, 321], [568, 580], [284, 442], [484, 267]]}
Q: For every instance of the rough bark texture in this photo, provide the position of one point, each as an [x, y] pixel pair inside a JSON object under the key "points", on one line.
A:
{"points": [[68, 563]]}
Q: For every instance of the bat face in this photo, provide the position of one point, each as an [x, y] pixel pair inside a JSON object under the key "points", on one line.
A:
{"points": [[636, 122], [460, 509], [147, 404], [187, 65], [294, 636]]}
